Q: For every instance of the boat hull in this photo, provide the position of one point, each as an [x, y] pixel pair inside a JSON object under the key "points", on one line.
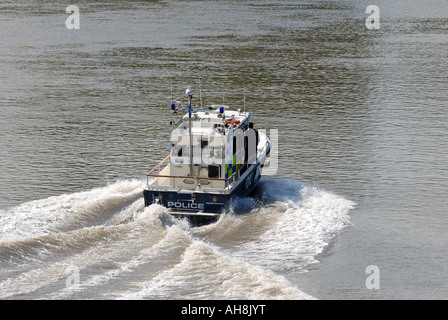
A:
{"points": [[203, 207]]}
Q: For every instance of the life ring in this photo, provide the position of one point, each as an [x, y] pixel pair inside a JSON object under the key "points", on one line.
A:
{"points": [[234, 121]]}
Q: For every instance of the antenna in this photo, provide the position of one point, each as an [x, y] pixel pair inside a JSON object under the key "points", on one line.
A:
{"points": [[200, 92], [173, 107], [173, 112], [189, 92], [171, 92], [244, 96]]}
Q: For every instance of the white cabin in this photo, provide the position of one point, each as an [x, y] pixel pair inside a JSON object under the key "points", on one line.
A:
{"points": [[223, 146]]}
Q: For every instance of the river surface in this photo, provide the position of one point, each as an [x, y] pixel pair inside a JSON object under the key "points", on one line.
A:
{"points": [[362, 122]]}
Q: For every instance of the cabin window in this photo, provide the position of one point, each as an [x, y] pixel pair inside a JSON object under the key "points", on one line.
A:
{"points": [[214, 171], [213, 153], [176, 151], [204, 143], [217, 153]]}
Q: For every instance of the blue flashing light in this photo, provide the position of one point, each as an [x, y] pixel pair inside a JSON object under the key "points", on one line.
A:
{"points": [[221, 110], [173, 106]]}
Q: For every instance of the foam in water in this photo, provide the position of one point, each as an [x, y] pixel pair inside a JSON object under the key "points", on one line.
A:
{"points": [[94, 247], [287, 231], [129, 252], [206, 273], [301, 232], [68, 211]]}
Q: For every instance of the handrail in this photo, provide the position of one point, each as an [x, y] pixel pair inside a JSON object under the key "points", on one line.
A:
{"points": [[190, 177], [158, 166], [150, 174]]}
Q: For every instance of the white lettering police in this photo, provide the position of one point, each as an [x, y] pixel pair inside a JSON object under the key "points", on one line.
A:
{"points": [[185, 205]]}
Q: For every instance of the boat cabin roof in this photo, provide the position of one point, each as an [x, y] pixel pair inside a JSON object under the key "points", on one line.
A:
{"points": [[212, 122]]}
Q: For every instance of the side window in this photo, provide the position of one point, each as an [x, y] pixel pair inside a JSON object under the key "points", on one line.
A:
{"points": [[234, 144], [176, 151], [204, 143], [246, 148]]}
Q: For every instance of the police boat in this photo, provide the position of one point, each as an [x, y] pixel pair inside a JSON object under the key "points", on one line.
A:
{"points": [[216, 155]]}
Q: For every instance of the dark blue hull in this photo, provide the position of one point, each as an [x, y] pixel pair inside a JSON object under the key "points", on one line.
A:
{"points": [[201, 206]]}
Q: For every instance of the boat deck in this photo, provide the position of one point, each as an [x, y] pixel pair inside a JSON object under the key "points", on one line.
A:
{"points": [[164, 180]]}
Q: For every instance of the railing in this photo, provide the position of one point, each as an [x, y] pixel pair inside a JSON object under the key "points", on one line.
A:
{"points": [[158, 166], [158, 175]]}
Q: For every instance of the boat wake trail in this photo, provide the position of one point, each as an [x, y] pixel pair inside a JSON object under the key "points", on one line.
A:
{"points": [[120, 250], [68, 211]]}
